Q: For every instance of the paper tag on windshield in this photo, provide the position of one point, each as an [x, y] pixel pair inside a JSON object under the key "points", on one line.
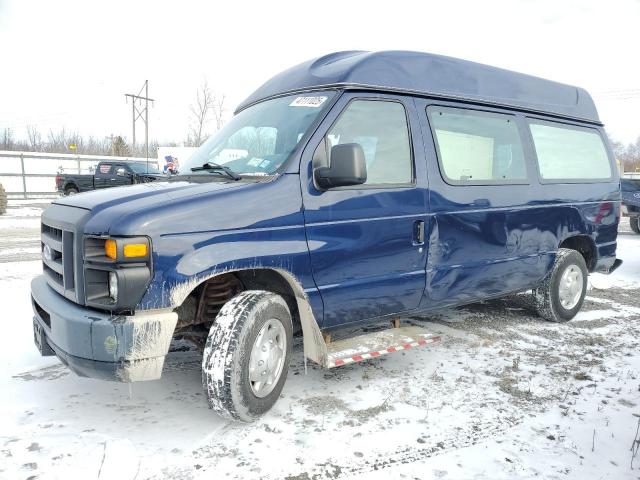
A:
{"points": [[313, 102]]}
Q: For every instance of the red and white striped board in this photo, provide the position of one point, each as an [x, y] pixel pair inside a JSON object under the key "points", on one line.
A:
{"points": [[343, 352]]}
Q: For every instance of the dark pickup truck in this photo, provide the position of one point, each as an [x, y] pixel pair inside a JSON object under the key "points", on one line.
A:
{"points": [[631, 201], [108, 174]]}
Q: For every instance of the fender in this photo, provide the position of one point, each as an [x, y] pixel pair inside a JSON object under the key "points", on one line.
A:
{"points": [[281, 249]]}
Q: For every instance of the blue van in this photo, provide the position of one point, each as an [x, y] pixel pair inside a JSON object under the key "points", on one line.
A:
{"points": [[351, 188]]}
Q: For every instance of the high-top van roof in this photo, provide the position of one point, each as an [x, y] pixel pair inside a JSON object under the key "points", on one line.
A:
{"points": [[434, 76]]}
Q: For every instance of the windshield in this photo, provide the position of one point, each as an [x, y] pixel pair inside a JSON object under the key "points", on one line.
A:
{"points": [[260, 139], [144, 168]]}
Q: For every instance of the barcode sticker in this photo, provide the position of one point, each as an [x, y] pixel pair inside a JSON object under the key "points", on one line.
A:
{"points": [[313, 102]]}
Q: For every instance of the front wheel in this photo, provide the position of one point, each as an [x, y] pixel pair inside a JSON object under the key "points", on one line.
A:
{"points": [[560, 295], [247, 355], [634, 223]]}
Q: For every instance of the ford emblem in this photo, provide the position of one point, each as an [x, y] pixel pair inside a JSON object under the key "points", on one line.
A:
{"points": [[47, 253]]}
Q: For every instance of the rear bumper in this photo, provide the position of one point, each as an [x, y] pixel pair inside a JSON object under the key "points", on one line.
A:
{"points": [[100, 345]]}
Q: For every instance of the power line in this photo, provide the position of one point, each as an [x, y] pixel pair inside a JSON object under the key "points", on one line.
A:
{"points": [[137, 113]]}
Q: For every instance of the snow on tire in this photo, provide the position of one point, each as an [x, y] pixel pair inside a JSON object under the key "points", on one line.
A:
{"points": [[252, 329], [560, 295]]}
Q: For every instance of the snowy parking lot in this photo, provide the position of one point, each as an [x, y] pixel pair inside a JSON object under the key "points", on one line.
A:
{"points": [[505, 395]]}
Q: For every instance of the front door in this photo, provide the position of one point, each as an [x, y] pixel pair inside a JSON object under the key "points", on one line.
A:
{"points": [[103, 175], [119, 180], [368, 253]]}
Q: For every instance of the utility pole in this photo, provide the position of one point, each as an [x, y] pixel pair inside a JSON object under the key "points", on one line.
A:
{"points": [[138, 111]]}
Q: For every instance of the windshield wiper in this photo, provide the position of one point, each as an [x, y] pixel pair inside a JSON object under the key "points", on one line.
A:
{"points": [[214, 167]]}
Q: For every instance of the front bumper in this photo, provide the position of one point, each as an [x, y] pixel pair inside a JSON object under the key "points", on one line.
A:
{"points": [[101, 345]]}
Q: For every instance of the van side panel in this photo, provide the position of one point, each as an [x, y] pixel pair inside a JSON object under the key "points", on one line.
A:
{"points": [[490, 240]]}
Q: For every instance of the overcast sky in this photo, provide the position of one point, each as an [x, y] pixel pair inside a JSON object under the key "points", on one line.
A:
{"points": [[69, 63]]}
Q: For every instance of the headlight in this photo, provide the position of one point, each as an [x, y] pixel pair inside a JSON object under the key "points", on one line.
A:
{"points": [[117, 271], [113, 286]]}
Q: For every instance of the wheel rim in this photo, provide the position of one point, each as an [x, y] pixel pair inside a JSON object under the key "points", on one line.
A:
{"points": [[267, 358], [571, 284]]}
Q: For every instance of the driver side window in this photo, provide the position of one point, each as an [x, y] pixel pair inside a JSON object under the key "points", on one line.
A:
{"points": [[380, 128]]}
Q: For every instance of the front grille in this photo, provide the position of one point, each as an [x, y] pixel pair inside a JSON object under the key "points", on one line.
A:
{"points": [[57, 259]]}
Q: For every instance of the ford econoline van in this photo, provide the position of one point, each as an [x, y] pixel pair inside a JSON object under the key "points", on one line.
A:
{"points": [[348, 189]]}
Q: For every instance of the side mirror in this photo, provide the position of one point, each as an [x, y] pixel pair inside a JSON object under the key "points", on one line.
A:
{"points": [[347, 166], [122, 172]]}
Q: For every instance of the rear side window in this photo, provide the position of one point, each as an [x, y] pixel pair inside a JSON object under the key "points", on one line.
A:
{"points": [[380, 128], [477, 147], [568, 152]]}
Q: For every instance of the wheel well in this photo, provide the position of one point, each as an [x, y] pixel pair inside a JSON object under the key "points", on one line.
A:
{"points": [[585, 246], [205, 301]]}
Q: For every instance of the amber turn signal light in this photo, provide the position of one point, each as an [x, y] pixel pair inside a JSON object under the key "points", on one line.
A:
{"points": [[110, 249], [134, 250]]}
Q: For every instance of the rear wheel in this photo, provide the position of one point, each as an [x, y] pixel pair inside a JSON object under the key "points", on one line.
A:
{"points": [[560, 295], [634, 222], [247, 355], [70, 191]]}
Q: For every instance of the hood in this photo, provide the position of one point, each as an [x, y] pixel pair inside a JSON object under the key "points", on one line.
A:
{"points": [[143, 195], [179, 206]]}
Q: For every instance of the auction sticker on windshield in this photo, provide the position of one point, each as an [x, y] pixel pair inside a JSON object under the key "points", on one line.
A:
{"points": [[314, 102]]}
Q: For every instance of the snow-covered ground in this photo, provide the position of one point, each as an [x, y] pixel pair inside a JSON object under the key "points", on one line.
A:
{"points": [[505, 395]]}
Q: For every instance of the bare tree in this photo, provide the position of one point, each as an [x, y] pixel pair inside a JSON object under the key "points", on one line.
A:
{"points": [[6, 140], [34, 138], [57, 141], [218, 110], [200, 112], [119, 147], [207, 105], [628, 155]]}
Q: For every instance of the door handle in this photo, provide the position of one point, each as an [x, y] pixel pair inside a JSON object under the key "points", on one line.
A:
{"points": [[418, 232]]}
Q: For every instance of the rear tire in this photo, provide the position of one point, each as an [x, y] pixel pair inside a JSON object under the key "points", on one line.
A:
{"points": [[560, 295], [634, 223], [247, 355], [70, 191]]}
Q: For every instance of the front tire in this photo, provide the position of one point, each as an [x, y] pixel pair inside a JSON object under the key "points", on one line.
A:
{"points": [[247, 355], [634, 223], [560, 295]]}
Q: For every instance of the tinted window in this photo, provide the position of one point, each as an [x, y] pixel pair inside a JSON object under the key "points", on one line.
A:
{"points": [[144, 168], [566, 152], [380, 127], [477, 146], [630, 185]]}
